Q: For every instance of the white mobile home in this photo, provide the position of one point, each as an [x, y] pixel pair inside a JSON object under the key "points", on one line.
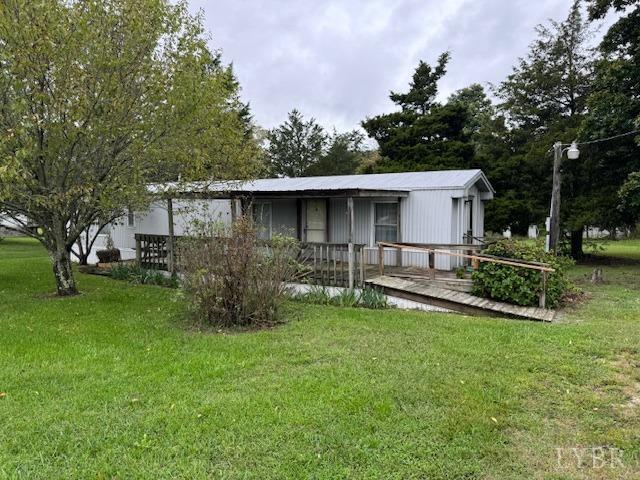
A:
{"points": [[438, 207]]}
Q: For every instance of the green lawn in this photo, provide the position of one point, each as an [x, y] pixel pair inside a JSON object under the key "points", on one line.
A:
{"points": [[114, 384]]}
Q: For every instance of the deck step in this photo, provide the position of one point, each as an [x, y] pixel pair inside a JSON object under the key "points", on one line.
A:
{"points": [[456, 300]]}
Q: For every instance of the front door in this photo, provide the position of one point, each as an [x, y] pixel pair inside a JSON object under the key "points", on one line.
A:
{"points": [[316, 220]]}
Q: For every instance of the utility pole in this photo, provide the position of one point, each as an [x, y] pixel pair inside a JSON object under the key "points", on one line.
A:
{"points": [[554, 214]]}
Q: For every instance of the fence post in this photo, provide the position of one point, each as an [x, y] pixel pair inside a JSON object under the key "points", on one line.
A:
{"points": [[171, 260], [380, 259], [543, 292], [138, 251]]}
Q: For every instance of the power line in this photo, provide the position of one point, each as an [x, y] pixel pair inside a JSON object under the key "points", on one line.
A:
{"points": [[589, 142]]}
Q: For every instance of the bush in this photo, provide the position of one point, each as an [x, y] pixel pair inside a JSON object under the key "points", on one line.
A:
{"points": [[366, 298], [108, 256], [372, 298], [521, 286], [232, 278], [137, 275]]}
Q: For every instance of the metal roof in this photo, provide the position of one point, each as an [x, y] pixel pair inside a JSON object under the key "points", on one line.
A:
{"points": [[397, 182]]}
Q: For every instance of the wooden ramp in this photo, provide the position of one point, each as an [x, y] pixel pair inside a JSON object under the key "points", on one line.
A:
{"points": [[455, 300]]}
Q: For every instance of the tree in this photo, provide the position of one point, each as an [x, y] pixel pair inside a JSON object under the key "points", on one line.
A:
{"points": [[599, 8], [423, 87], [98, 98], [629, 195], [423, 135], [493, 153], [294, 146], [614, 109], [553, 81], [544, 100], [342, 157]]}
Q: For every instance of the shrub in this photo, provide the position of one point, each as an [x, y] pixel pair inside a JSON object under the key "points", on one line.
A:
{"points": [[372, 298], [317, 295], [461, 272], [521, 286], [346, 298], [108, 256], [232, 278], [365, 298], [142, 276]]}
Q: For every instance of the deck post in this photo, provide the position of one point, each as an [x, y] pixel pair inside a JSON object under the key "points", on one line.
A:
{"points": [[362, 266], [171, 260], [380, 259], [234, 209], [351, 221], [352, 272], [432, 265], [543, 291], [399, 235]]}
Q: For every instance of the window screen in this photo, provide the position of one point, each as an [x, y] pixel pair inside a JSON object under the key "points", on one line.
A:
{"points": [[262, 219], [386, 222]]}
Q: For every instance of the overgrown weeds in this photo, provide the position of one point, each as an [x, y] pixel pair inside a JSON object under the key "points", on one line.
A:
{"points": [[232, 278], [365, 298], [134, 274]]}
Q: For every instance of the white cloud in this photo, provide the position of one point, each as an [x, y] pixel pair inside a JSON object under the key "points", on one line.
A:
{"points": [[337, 60]]}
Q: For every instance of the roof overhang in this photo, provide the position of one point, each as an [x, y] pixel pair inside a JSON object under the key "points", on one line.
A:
{"points": [[481, 181], [240, 193]]}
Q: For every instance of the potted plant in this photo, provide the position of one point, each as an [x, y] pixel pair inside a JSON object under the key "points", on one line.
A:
{"points": [[108, 255]]}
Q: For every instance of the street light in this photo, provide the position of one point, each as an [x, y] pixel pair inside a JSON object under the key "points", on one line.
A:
{"points": [[553, 227]]}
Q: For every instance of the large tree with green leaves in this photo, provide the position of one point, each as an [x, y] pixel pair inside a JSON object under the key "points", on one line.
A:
{"points": [[493, 153], [424, 134], [342, 156], [98, 98], [544, 100], [295, 146], [614, 109]]}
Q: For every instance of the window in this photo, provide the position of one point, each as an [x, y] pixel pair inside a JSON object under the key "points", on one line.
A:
{"points": [[262, 219], [131, 218], [386, 222]]}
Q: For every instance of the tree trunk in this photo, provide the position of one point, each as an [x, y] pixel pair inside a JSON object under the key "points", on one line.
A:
{"points": [[65, 282], [576, 244], [83, 259]]}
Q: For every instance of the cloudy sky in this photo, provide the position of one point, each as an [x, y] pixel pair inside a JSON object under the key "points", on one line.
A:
{"points": [[337, 60]]}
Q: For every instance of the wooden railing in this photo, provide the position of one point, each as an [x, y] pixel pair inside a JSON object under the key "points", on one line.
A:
{"points": [[476, 259], [331, 264], [154, 252], [334, 264]]}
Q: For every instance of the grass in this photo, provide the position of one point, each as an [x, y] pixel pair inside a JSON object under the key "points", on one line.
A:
{"points": [[114, 384]]}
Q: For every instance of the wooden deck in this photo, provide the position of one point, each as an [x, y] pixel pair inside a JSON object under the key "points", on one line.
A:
{"points": [[444, 278], [422, 291]]}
